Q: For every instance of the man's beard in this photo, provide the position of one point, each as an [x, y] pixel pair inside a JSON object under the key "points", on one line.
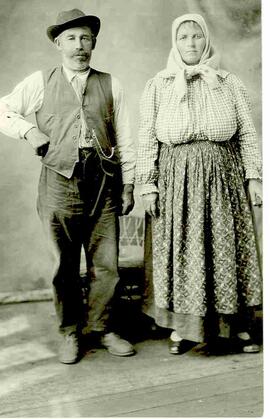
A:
{"points": [[79, 61]]}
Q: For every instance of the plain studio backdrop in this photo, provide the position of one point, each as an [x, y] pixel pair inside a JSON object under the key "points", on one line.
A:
{"points": [[133, 45]]}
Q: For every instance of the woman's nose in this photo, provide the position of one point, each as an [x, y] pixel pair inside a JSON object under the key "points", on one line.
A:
{"points": [[191, 41]]}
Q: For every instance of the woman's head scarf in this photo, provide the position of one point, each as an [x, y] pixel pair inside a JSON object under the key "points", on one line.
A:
{"points": [[207, 68]]}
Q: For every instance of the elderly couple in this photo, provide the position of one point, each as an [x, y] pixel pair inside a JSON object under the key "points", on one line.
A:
{"points": [[199, 167]]}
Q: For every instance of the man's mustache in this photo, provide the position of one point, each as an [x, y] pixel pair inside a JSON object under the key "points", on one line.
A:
{"points": [[80, 54]]}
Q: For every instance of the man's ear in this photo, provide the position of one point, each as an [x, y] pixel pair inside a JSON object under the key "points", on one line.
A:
{"points": [[57, 43], [94, 41]]}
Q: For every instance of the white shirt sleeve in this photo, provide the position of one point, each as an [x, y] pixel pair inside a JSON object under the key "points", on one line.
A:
{"points": [[25, 99], [122, 131]]}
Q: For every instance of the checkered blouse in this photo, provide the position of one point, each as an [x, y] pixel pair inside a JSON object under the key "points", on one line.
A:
{"points": [[202, 114]]}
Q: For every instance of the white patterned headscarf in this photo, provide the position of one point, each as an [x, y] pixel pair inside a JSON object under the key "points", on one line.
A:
{"points": [[208, 67]]}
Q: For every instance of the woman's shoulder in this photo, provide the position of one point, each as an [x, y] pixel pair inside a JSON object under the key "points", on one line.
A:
{"points": [[234, 81], [159, 80], [237, 88]]}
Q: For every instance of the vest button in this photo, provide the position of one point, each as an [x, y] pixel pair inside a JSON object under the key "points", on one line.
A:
{"points": [[74, 137], [78, 116]]}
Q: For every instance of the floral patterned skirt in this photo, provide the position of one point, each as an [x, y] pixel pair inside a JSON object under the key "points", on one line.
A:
{"points": [[205, 263]]}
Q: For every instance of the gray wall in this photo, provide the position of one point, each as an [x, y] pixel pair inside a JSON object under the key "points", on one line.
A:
{"points": [[133, 45]]}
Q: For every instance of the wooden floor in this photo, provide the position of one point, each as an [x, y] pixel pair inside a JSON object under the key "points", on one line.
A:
{"points": [[152, 383]]}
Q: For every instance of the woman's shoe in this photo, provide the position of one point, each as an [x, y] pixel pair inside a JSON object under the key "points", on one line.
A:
{"points": [[246, 345], [253, 348]]}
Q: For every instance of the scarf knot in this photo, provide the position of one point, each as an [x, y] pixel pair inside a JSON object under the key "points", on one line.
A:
{"points": [[191, 72]]}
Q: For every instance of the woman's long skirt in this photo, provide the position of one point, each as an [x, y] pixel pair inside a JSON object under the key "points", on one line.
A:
{"points": [[206, 273]]}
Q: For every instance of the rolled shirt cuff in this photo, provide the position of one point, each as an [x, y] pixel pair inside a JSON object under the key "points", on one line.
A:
{"points": [[148, 188], [253, 174], [25, 127]]}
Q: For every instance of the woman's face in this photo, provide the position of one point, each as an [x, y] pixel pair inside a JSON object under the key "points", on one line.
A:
{"points": [[190, 42]]}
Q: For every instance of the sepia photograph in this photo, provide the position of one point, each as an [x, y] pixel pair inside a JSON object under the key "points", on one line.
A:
{"points": [[131, 208]]}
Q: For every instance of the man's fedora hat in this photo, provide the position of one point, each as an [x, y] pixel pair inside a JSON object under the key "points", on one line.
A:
{"points": [[71, 19]]}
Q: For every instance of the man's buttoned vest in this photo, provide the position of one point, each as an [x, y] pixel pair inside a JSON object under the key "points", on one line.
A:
{"points": [[59, 117]]}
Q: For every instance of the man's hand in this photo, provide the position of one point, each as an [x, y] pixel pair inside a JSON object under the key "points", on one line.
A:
{"points": [[127, 199], [255, 192], [38, 140], [150, 203]]}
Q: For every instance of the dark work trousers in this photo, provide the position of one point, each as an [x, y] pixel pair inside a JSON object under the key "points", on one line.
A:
{"points": [[66, 208]]}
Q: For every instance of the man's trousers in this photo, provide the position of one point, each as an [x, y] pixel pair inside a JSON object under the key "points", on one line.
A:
{"points": [[77, 213]]}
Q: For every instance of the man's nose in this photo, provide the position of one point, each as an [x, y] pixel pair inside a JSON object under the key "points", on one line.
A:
{"points": [[78, 43]]}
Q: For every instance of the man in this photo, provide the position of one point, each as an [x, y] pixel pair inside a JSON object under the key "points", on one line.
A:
{"points": [[87, 176]]}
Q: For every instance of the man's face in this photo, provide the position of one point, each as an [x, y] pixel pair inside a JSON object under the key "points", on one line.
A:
{"points": [[76, 45]]}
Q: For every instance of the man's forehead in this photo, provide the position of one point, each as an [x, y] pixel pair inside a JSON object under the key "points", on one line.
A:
{"points": [[76, 30]]}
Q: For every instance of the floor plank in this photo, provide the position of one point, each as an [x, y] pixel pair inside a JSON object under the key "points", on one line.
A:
{"points": [[153, 383], [219, 395]]}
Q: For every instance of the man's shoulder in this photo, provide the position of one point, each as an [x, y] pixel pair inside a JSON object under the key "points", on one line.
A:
{"points": [[99, 72], [33, 76], [115, 82], [105, 79], [49, 72], [31, 81], [102, 75]]}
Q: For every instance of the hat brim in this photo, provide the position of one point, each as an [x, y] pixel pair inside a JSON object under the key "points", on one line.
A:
{"points": [[93, 22]]}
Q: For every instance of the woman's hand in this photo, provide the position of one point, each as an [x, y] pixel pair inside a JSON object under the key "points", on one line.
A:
{"points": [[150, 203], [255, 192]]}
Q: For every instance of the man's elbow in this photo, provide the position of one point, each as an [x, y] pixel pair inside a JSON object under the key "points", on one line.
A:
{"points": [[3, 108]]}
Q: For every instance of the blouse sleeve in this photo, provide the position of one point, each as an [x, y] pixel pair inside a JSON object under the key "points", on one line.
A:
{"points": [[147, 154], [248, 141]]}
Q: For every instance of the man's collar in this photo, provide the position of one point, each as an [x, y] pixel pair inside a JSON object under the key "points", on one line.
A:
{"points": [[71, 74]]}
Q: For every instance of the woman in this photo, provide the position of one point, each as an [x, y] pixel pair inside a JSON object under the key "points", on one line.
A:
{"points": [[197, 153]]}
